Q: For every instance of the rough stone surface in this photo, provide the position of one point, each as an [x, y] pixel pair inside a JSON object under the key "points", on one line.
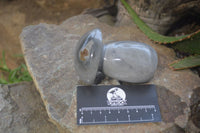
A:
{"points": [[195, 106], [49, 55], [193, 125], [162, 15], [171, 105], [22, 110], [174, 129]]}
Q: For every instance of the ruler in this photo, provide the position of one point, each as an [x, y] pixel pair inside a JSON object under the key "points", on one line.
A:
{"points": [[117, 104]]}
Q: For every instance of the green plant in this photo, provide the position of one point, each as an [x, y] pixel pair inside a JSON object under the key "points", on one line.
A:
{"points": [[188, 43], [188, 62], [10, 76]]}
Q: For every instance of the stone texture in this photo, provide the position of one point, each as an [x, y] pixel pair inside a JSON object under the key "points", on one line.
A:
{"points": [[171, 105], [174, 129], [162, 15], [22, 110], [60, 5], [118, 65], [193, 125], [49, 51], [195, 107]]}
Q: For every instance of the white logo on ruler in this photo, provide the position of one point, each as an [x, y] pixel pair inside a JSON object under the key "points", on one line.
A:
{"points": [[116, 97]]}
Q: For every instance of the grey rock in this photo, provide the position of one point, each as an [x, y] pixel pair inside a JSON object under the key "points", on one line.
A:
{"points": [[50, 57], [49, 53], [174, 129], [170, 104], [159, 15], [130, 61], [22, 110], [193, 125]]}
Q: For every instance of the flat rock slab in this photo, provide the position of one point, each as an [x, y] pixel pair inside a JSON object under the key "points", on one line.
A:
{"points": [[22, 110], [49, 53]]}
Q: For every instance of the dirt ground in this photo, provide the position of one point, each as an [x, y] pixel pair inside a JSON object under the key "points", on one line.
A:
{"points": [[16, 14]]}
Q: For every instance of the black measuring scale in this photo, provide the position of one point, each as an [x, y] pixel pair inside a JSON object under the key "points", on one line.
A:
{"points": [[117, 104]]}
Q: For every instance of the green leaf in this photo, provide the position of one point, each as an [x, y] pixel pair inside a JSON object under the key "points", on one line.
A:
{"points": [[2, 80], [188, 62], [188, 43], [190, 46], [13, 75], [3, 65], [18, 55], [147, 30]]}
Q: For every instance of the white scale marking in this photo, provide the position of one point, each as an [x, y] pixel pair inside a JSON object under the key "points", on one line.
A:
{"points": [[109, 112], [81, 120], [129, 118], [118, 111], [152, 116], [100, 122], [118, 108], [127, 111]]}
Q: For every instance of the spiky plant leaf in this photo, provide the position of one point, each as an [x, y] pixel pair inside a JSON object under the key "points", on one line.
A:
{"points": [[188, 62], [186, 43]]}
